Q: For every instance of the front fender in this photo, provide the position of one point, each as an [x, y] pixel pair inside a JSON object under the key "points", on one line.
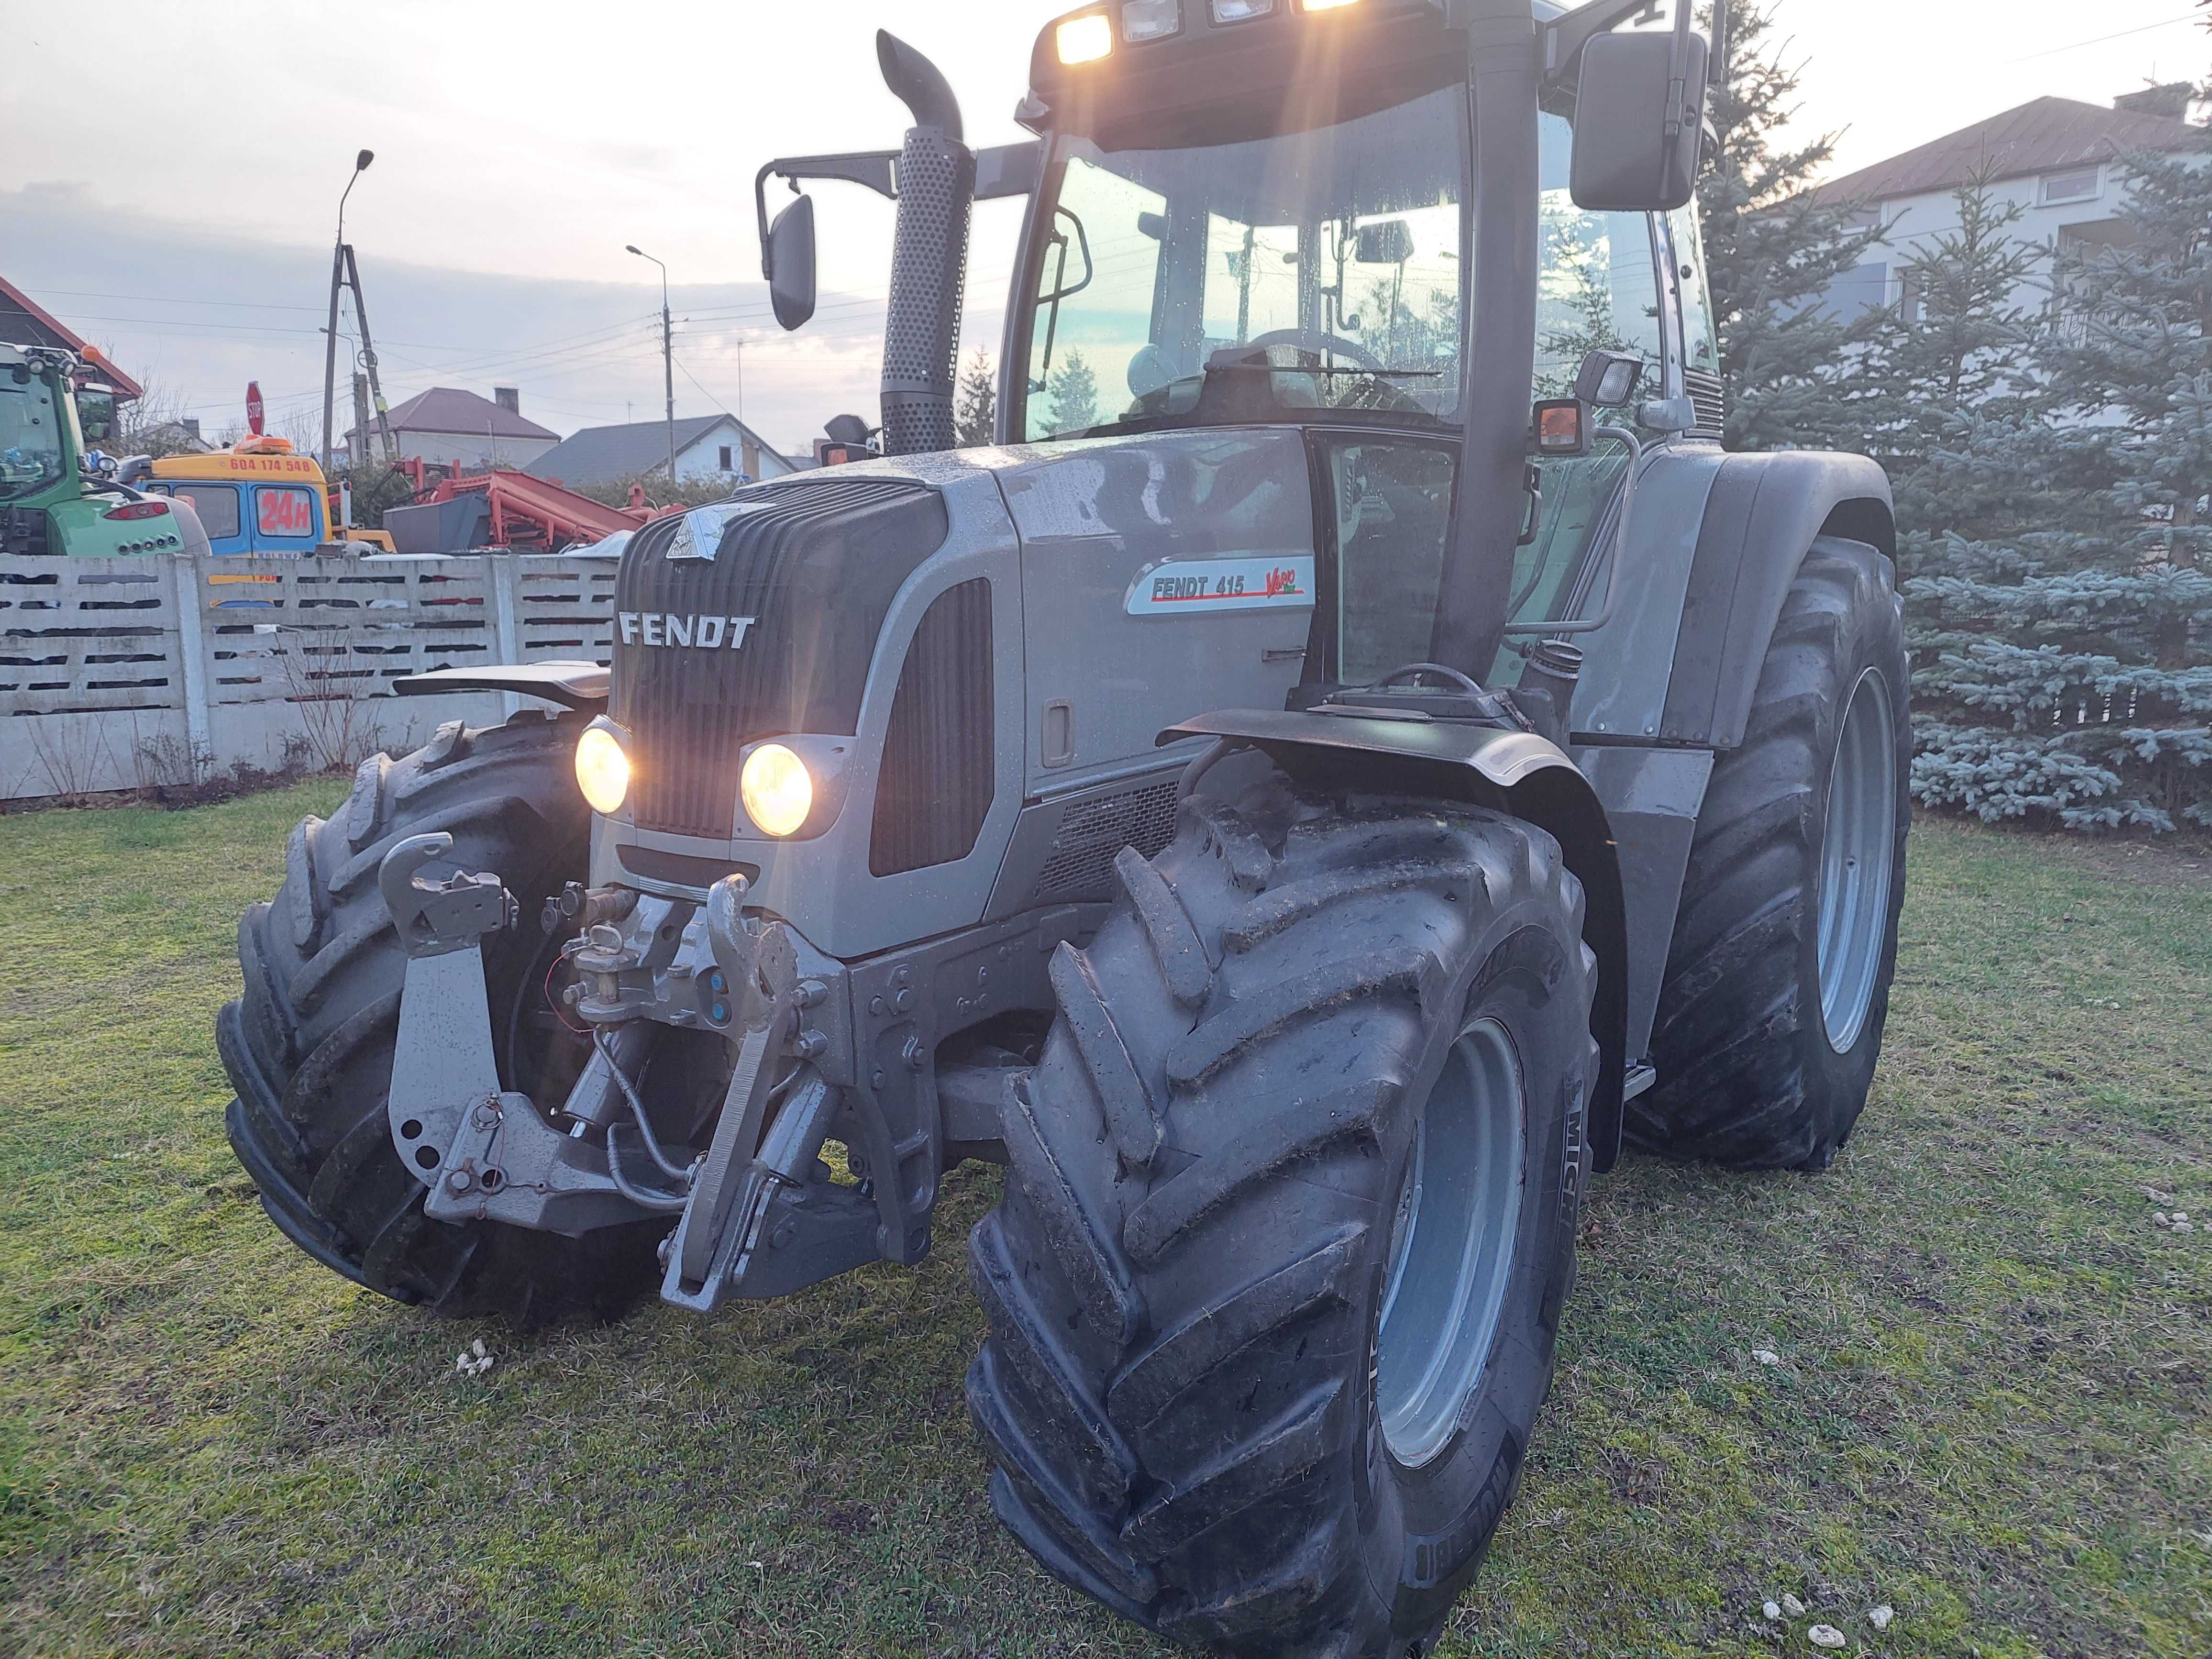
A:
{"points": [[1516, 773]]}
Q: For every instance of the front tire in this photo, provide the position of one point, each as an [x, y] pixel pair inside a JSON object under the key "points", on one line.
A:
{"points": [[308, 1046], [1236, 1385], [1776, 988]]}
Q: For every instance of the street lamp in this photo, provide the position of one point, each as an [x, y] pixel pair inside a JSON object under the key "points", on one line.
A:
{"points": [[338, 275], [667, 357]]}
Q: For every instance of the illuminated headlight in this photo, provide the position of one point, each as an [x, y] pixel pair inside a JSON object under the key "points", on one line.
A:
{"points": [[778, 794], [1150, 19], [1241, 11], [602, 770], [1084, 40]]}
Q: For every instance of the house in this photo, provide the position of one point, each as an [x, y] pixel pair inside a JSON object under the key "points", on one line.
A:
{"points": [[24, 322], [449, 426], [2057, 159], [707, 447]]}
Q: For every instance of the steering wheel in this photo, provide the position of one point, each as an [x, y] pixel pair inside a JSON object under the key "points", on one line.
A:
{"points": [[1314, 339]]}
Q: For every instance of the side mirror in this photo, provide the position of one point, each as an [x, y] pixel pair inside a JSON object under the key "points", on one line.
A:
{"points": [[1389, 243], [1608, 379], [790, 263], [1639, 123], [849, 430]]}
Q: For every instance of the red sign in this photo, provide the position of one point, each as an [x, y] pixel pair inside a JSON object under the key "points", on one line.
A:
{"points": [[253, 416]]}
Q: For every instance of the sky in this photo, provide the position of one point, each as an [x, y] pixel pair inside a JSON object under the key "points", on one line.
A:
{"points": [[519, 148]]}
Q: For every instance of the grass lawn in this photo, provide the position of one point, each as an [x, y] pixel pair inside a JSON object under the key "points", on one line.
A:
{"points": [[1990, 1407]]}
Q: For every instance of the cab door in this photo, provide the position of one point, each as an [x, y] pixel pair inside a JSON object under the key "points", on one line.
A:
{"points": [[222, 508]]}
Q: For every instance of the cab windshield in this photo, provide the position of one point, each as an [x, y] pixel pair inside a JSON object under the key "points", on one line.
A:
{"points": [[30, 437], [1329, 262]]}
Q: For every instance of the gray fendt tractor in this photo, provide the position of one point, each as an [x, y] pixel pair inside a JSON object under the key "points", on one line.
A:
{"points": [[1300, 810]]}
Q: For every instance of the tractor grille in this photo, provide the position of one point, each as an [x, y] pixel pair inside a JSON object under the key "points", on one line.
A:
{"points": [[933, 787], [1706, 392], [815, 564], [1081, 863]]}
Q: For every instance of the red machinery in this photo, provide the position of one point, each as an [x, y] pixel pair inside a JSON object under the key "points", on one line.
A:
{"points": [[520, 511]]}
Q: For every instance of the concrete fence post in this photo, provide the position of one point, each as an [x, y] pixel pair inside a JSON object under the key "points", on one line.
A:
{"points": [[186, 577], [505, 627]]}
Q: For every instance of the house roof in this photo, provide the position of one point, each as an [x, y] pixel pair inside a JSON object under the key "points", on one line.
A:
{"points": [[602, 454], [2043, 136], [24, 321], [449, 409]]}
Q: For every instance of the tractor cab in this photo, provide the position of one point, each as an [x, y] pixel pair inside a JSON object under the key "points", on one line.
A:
{"points": [[1301, 253], [57, 493]]}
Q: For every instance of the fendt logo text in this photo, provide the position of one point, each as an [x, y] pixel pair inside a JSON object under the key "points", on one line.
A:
{"points": [[665, 628]]}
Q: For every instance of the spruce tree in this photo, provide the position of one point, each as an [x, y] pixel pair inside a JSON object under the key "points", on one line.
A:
{"points": [[975, 409], [1073, 392], [1771, 252], [2056, 537]]}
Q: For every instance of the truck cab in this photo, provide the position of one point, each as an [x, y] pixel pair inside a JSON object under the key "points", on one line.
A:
{"points": [[256, 497]]}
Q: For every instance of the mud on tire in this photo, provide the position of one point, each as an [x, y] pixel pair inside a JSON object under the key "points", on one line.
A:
{"points": [[1748, 1073], [308, 1045], [1184, 1280]]}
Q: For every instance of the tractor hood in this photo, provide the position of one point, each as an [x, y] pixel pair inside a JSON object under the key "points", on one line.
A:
{"points": [[956, 639]]}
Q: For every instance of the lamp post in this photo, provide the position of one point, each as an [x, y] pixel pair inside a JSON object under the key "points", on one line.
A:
{"points": [[667, 357], [330, 334]]}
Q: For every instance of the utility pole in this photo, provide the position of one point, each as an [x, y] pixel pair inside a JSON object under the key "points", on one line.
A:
{"points": [[667, 358], [356, 455], [338, 262], [391, 444]]}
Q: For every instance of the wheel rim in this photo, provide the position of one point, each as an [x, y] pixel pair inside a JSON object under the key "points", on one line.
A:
{"points": [[1451, 1249], [1856, 855]]}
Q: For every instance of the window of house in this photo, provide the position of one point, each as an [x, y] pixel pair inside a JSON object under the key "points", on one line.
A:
{"points": [[2076, 185], [724, 463], [1908, 286]]}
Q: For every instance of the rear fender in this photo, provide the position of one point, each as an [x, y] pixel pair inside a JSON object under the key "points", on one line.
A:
{"points": [[1512, 772], [1763, 515]]}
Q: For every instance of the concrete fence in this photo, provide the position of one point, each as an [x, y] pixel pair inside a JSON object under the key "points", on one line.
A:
{"points": [[131, 672]]}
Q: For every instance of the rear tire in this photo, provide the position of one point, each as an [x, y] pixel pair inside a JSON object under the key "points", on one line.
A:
{"points": [[308, 1047], [1200, 1413], [1767, 1034]]}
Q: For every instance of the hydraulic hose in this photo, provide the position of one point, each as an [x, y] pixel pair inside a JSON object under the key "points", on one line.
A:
{"points": [[660, 1203], [669, 1167]]}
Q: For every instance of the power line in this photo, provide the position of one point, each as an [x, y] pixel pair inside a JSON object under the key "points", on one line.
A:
{"points": [[2190, 17]]}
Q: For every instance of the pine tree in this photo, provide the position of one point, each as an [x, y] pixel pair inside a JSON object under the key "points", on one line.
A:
{"points": [[2059, 602], [1957, 339], [1074, 394], [1771, 252], [975, 411]]}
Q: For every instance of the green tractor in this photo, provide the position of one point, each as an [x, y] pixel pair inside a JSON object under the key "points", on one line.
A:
{"points": [[57, 495], [1301, 810]]}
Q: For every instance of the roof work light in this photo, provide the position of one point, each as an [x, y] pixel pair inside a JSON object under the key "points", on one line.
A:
{"points": [[1084, 40]]}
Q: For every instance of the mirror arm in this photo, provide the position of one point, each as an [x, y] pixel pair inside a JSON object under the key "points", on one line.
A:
{"points": [[1565, 37], [870, 167]]}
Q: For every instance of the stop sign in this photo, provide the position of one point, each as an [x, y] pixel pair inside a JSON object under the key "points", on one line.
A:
{"points": [[253, 417]]}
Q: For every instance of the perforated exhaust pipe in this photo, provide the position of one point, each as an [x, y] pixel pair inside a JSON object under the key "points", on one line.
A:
{"points": [[929, 256]]}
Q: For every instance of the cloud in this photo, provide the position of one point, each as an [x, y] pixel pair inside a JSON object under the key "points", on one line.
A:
{"points": [[203, 310]]}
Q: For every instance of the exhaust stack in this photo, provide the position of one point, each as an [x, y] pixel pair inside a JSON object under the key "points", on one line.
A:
{"points": [[929, 256]]}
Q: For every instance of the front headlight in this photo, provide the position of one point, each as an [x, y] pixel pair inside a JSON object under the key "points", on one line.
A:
{"points": [[602, 770], [779, 795]]}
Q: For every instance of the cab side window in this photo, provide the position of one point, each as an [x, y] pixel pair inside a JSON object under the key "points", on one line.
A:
{"points": [[1394, 500], [217, 506], [1598, 282]]}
